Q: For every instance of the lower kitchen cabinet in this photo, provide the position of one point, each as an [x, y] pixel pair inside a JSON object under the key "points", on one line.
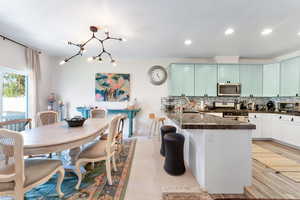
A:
{"points": [[256, 119], [283, 128]]}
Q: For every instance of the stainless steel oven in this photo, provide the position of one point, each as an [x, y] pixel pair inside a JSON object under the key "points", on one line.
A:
{"points": [[229, 89]]}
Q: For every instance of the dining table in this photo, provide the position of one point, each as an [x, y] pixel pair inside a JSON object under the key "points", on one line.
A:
{"points": [[59, 137]]}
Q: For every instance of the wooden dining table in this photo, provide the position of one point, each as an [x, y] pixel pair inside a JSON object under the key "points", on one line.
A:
{"points": [[59, 137]]}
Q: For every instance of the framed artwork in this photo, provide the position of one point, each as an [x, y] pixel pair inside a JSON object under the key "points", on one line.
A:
{"points": [[112, 87]]}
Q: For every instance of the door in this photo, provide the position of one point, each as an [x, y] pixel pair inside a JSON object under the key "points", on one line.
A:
{"points": [[271, 80], [228, 73], [205, 80], [181, 79], [14, 95], [290, 72], [251, 80]]}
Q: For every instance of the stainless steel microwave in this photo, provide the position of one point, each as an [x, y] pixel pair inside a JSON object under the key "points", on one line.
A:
{"points": [[229, 89]]}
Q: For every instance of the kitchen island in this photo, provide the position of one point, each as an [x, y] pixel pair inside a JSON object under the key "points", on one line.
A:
{"points": [[217, 150]]}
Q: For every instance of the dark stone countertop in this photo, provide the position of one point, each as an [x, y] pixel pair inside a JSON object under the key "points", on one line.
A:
{"points": [[207, 121], [251, 111]]}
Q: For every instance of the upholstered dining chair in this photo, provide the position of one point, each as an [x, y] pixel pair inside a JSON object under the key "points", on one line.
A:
{"points": [[98, 113], [99, 150], [18, 175], [47, 117]]}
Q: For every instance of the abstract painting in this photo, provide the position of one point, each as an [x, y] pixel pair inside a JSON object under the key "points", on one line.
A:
{"points": [[112, 87]]}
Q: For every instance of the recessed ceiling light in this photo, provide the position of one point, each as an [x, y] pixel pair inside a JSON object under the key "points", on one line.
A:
{"points": [[267, 31], [299, 33], [188, 42], [229, 31]]}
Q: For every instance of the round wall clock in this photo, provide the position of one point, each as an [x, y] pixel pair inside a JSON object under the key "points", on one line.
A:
{"points": [[157, 74]]}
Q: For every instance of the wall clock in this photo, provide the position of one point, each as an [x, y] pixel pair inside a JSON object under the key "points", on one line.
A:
{"points": [[157, 74]]}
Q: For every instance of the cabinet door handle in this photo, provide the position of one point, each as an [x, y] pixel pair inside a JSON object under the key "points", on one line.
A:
{"points": [[292, 119], [254, 116], [280, 117]]}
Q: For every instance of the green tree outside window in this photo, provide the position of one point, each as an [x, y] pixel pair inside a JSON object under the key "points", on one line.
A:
{"points": [[13, 85]]}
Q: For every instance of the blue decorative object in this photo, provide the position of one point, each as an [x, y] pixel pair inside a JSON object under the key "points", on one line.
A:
{"points": [[131, 113]]}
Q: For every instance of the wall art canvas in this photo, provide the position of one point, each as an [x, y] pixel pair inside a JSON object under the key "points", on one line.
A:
{"points": [[112, 87]]}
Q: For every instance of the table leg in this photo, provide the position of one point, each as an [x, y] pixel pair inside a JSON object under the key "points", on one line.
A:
{"points": [[130, 118], [73, 153]]}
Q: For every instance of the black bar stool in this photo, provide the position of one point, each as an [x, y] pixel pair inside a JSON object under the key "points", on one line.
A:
{"points": [[163, 131], [174, 162]]}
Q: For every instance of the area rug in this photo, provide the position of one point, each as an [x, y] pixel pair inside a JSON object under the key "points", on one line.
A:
{"points": [[285, 166], [94, 185], [187, 196]]}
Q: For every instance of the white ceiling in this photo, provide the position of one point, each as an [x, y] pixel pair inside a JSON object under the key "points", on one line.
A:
{"points": [[157, 28]]}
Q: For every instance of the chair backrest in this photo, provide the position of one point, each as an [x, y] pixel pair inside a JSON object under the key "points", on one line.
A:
{"points": [[98, 113], [47, 117], [11, 157], [121, 124], [113, 129], [16, 125]]}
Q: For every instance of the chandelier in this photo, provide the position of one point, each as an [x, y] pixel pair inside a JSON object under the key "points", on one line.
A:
{"points": [[98, 57]]}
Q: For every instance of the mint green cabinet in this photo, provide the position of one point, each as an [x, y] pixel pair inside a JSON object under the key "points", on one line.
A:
{"points": [[206, 79], [251, 79], [181, 79], [228, 73], [290, 76], [271, 79]]}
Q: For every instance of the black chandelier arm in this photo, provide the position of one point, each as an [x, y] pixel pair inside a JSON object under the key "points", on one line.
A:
{"points": [[113, 38], [77, 54], [88, 40], [77, 45], [109, 54]]}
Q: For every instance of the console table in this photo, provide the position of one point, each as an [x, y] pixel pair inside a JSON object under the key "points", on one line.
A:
{"points": [[131, 113]]}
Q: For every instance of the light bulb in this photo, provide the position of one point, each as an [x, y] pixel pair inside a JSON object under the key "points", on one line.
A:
{"points": [[123, 39], [266, 31], [90, 59], [62, 62], [114, 64], [188, 42], [84, 50]]}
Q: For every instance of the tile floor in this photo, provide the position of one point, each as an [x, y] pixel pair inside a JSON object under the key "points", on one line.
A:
{"points": [[148, 180]]}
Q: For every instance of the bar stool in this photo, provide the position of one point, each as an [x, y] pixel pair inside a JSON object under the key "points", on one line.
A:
{"points": [[156, 123], [163, 131], [174, 162]]}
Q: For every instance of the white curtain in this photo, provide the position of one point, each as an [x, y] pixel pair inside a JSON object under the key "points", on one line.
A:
{"points": [[34, 76]]}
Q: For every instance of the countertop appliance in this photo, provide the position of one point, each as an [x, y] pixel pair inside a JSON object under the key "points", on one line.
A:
{"points": [[229, 89], [287, 107], [270, 106]]}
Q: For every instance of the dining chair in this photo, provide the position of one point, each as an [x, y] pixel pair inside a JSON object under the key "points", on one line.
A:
{"points": [[98, 113], [14, 125], [18, 175], [99, 150], [47, 117]]}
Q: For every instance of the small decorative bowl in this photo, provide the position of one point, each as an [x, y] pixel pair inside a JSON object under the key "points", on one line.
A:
{"points": [[75, 121]]}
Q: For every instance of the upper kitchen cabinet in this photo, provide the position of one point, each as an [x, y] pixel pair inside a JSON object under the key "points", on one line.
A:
{"points": [[271, 80], [251, 79], [182, 79], [290, 76], [228, 73], [206, 79]]}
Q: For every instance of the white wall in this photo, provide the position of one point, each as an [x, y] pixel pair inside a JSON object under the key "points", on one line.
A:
{"points": [[74, 82]]}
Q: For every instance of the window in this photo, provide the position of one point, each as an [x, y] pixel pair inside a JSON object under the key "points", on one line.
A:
{"points": [[14, 95]]}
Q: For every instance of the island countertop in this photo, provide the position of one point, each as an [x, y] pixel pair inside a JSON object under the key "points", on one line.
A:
{"points": [[207, 121]]}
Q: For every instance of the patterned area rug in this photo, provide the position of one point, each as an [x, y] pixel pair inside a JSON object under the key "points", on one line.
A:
{"points": [[186, 196], [94, 185]]}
